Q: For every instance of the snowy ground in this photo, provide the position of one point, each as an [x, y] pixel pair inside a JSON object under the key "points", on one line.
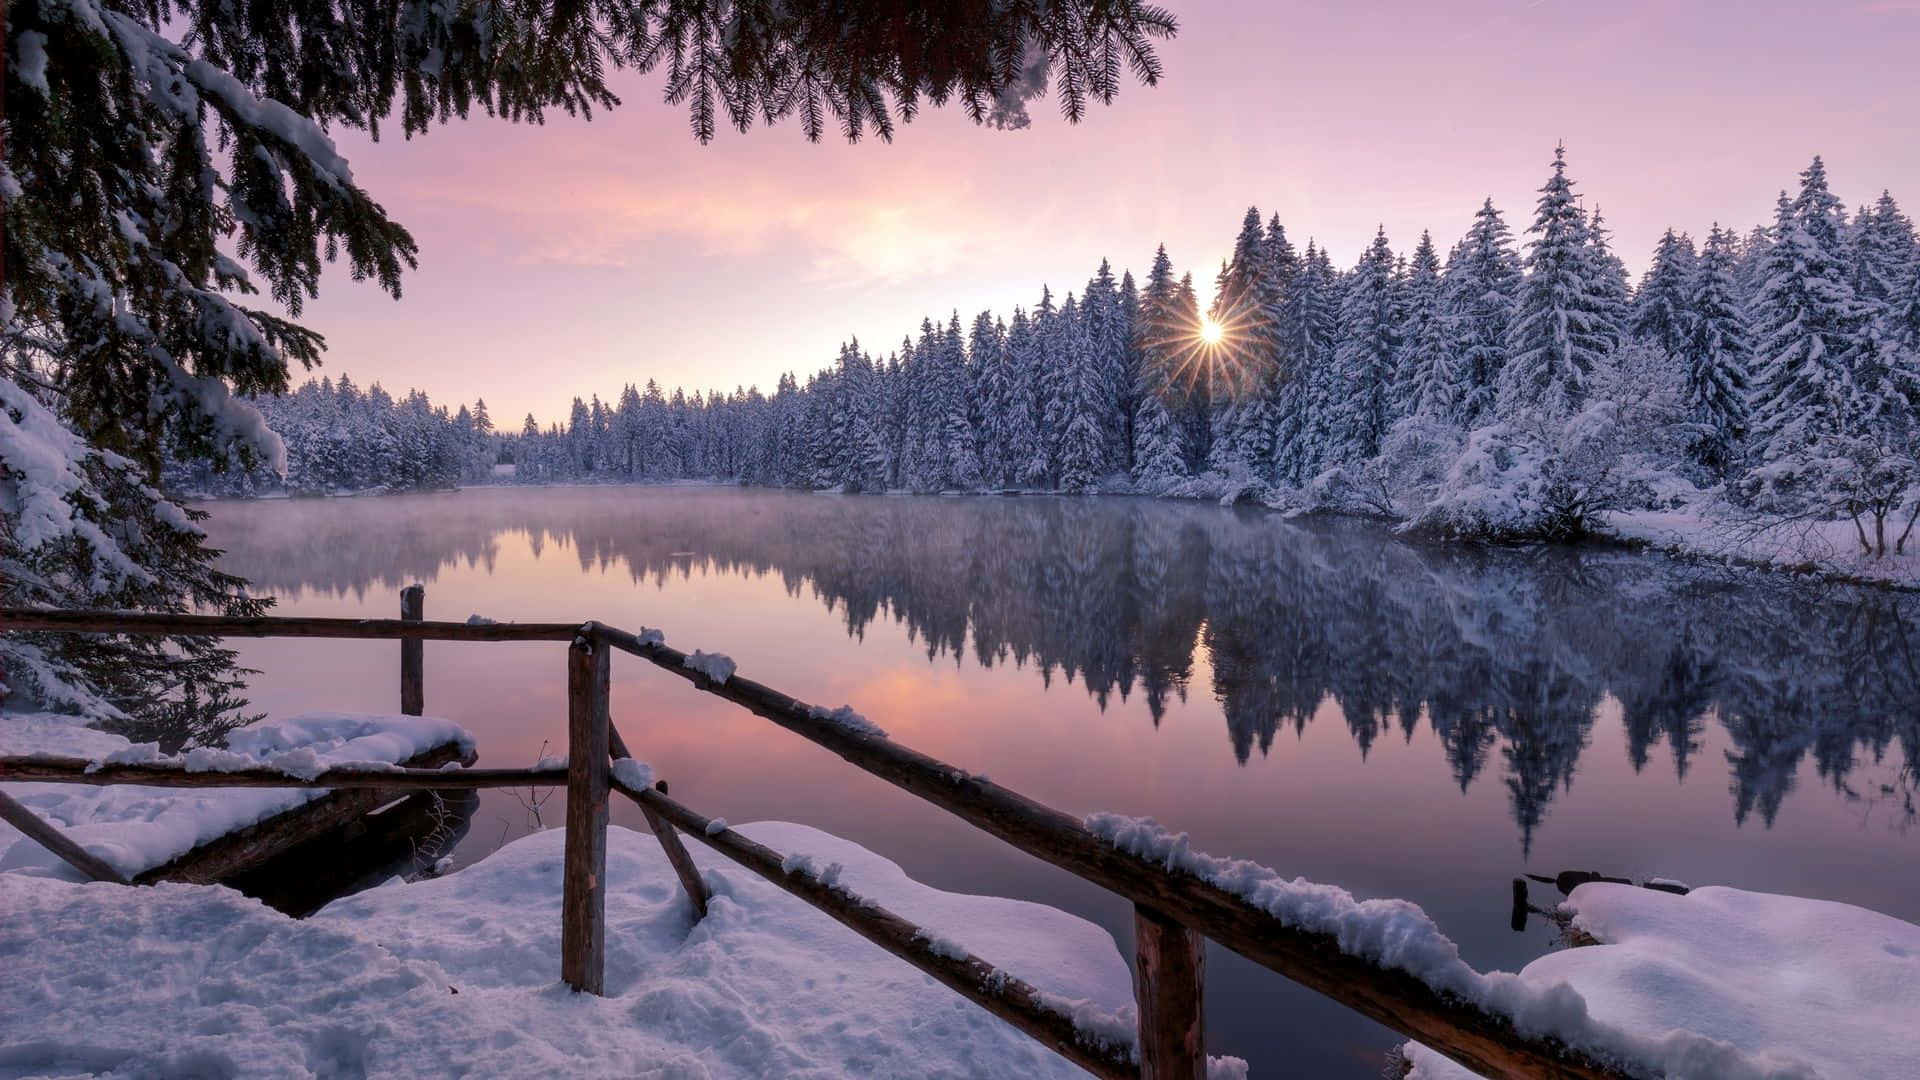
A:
{"points": [[459, 976], [1826, 547], [1810, 987], [137, 828]]}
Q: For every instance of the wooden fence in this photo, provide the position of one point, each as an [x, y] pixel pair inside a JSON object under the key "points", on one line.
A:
{"points": [[1175, 913]]}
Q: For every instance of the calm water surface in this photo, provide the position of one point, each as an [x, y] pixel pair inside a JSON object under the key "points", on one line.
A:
{"points": [[1408, 721]]}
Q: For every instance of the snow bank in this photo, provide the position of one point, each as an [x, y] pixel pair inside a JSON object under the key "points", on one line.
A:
{"points": [[1829, 547], [458, 975], [1832, 985], [1398, 934], [138, 828]]}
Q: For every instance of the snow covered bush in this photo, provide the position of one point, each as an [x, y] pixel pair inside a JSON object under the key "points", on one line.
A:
{"points": [[1537, 477], [1497, 489], [1398, 482], [1413, 460], [1857, 477]]}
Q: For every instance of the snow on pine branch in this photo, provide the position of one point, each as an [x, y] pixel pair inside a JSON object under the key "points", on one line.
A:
{"points": [[41, 459], [43, 477], [178, 82], [237, 423]]}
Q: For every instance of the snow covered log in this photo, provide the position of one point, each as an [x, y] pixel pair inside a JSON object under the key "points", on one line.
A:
{"points": [[123, 801], [249, 846], [368, 775]]}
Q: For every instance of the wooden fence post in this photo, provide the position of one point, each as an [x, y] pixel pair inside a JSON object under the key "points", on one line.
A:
{"points": [[683, 867], [583, 898], [1169, 970], [413, 688]]}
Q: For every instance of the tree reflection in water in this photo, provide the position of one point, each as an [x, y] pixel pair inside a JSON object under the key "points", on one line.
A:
{"points": [[1511, 650]]}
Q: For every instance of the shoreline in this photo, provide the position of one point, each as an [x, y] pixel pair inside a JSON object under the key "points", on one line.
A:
{"points": [[1645, 532]]}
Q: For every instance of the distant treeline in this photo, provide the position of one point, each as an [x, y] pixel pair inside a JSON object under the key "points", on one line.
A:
{"points": [[341, 439]]}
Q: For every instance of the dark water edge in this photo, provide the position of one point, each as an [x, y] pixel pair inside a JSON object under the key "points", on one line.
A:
{"points": [[1724, 724]]}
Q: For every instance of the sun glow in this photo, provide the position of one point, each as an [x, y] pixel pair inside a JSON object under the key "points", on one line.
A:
{"points": [[1214, 354]]}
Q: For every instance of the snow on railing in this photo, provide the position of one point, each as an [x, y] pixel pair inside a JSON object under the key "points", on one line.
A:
{"points": [[1398, 935]]}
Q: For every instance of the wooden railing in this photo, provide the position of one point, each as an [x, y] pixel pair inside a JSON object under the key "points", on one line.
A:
{"points": [[1174, 912]]}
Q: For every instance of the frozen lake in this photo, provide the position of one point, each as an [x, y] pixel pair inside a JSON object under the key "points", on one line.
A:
{"points": [[1413, 721]]}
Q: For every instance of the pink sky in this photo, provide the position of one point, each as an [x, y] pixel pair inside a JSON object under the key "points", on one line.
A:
{"points": [[575, 257]]}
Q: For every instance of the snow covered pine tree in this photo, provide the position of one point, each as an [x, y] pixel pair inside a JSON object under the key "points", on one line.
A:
{"points": [[151, 186]]}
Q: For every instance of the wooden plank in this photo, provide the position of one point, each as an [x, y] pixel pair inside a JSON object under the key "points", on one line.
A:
{"points": [[243, 849], [993, 989], [683, 867], [1168, 980], [583, 899], [400, 838], [413, 685], [1461, 1030], [152, 623], [81, 771], [44, 833]]}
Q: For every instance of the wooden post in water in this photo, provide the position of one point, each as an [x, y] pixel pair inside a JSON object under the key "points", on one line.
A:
{"points": [[413, 687], [583, 899], [1169, 969]]}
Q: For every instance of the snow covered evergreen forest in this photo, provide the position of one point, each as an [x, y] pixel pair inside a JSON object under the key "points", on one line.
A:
{"points": [[340, 438], [1514, 388]]}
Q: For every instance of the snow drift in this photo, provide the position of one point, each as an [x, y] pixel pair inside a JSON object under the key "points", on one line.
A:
{"points": [[1829, 986], [459, 976]]}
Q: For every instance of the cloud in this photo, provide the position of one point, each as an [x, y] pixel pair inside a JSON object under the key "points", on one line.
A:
{"points": [[587, 201]]}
